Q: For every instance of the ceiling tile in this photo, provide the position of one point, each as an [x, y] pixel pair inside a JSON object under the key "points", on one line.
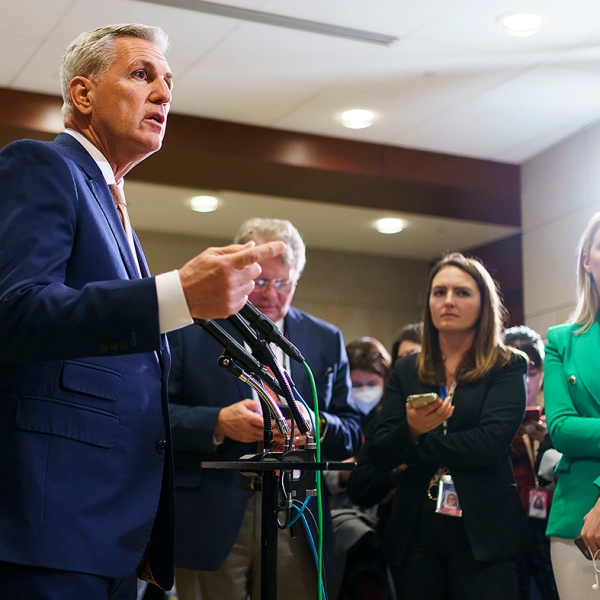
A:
{"points": [[519, 110], [262, 72], [31, 18]]}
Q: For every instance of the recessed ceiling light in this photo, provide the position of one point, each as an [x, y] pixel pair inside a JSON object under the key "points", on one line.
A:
{"points": [[204, 204], [357, 118], [520, 24], [389, 226]]}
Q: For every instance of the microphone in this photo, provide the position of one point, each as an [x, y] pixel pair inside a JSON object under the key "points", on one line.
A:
{"points": [[263, 352], [269, 331], [238, 353]]}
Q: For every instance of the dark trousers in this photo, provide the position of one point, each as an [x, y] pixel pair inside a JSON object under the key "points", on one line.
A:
{"points": [[22, 582], [537, 563], [440, 565]]}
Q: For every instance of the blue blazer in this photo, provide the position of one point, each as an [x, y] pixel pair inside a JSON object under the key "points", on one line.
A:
{"points": [[84, 431], [210, 503]]}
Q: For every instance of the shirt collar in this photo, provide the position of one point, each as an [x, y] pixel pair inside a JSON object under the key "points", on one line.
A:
{"points": [[98, 157]]}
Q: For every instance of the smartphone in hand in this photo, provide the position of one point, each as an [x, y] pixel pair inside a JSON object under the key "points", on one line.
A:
{"points": [[420, 400], [584, 549]]}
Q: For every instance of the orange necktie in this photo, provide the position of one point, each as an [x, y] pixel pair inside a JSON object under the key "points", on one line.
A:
{"points": [[119, 200]]}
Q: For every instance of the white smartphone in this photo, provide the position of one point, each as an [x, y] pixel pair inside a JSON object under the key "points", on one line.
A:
{"points": [[420, 400]]}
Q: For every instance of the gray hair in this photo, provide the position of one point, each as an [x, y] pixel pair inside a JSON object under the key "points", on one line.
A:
{"points": [[91, 53], [588, 301], [270, 230]]}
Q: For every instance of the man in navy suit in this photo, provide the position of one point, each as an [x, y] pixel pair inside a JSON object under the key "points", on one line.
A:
{"points": [[215, 417], [86, 475]]}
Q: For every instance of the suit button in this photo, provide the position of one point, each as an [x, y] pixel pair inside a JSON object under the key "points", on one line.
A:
{"points": [[572, 380], [161, 446]]}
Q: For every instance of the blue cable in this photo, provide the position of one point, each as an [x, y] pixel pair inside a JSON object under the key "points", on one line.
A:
{"points": [[308, 410], [312, 547], [300, 511]]}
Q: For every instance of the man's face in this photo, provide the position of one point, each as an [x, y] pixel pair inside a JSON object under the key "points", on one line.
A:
{"points": [[131, 101], [271, 300]]}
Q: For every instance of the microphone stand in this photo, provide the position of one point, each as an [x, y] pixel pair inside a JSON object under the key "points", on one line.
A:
{"points": [[271, 465]]}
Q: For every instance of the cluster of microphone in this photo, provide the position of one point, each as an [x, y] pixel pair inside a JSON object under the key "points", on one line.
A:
{"points": [[258, 332]]}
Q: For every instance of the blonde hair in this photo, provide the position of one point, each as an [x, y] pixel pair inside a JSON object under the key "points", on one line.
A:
{"points": [[91, 53], [588, 301], [487, 344]]}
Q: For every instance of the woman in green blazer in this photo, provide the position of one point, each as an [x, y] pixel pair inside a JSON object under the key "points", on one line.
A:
{"points": [[572, 397]]}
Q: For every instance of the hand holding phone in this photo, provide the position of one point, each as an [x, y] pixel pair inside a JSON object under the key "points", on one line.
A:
{"points": [[421, 400], [584, 549], [426, 412]]}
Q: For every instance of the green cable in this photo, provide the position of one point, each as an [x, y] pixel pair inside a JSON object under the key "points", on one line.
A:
{"points": [[318, 478]]}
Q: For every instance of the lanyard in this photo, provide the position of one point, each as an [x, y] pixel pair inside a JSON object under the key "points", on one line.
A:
{"points": [[532, 450], [444, 393]]}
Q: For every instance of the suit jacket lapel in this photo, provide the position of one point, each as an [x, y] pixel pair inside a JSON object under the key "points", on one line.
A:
{"points": [[585, 348], [144, 269], [294, 332], [104, 198], [99, 189]]}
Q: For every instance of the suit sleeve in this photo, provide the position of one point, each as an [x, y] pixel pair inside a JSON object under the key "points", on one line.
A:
{"points": [[573, 433], [42, 318], [484, 445], [368, 486]]}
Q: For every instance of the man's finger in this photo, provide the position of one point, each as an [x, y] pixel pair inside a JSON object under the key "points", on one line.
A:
{"points": [[257, 254], [232, 248]]}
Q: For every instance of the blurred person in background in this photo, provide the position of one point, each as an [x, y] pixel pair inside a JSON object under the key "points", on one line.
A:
{"points": [[359, 548], [532, 432], [460, 442], [572, 399], [408, 341]]}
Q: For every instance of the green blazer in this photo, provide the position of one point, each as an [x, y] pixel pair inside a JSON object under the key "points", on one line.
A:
{"points": [[572, 398]]}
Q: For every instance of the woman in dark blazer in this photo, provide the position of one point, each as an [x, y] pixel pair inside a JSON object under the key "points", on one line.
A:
{"points": [[572, 397], [460, 443]]}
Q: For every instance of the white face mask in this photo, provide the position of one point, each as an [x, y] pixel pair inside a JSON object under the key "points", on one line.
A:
{"points": [[367, 397]]}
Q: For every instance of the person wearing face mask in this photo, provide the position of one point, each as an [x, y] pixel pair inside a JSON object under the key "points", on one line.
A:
{"points": [[370, 365], [358, 544]]}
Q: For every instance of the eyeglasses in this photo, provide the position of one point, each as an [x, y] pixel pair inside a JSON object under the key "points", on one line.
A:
{"points": [[280, 285]]}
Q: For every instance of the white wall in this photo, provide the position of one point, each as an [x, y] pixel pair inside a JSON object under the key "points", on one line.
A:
{"points": [[560, 192]]}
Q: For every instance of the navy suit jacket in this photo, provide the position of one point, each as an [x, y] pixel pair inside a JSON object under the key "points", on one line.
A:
{"points": [[210, 503], [476, 449], [84, 433]]}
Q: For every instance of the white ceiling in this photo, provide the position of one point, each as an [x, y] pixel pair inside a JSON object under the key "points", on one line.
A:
{"points": [[454, 82]]}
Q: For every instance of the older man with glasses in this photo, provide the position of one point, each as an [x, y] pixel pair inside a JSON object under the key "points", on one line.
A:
{"points": [[216, 417]]}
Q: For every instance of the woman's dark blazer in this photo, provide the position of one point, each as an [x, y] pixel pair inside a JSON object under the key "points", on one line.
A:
{"points": [[476, 449]]}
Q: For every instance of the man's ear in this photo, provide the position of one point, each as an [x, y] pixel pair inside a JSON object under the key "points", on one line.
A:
{"points": [[81, 92]]}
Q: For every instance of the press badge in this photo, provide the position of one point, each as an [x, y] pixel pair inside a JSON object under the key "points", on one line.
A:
{"points": [[447, 500], [538, 503]]}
